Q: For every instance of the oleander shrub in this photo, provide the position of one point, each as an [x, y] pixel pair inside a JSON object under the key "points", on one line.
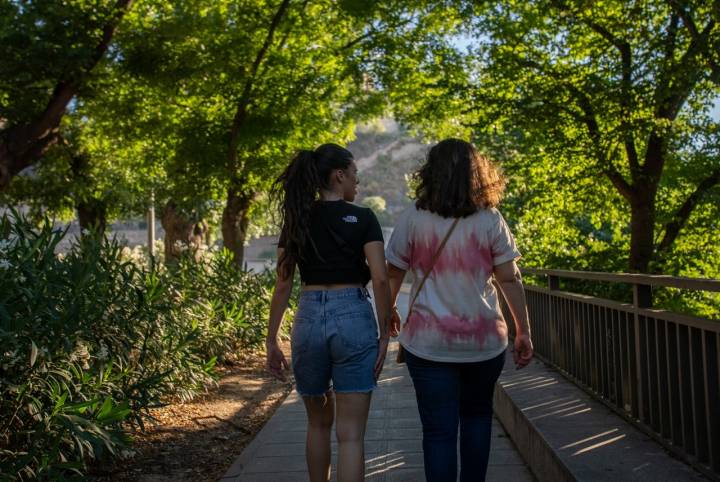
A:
{"points": [[91, 340], [236, 302]]}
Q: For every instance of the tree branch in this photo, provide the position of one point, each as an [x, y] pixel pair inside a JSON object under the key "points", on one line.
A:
{"points": [[625, 94], [625, 100], [686, 76], [663, 83], [67, 88], [373, 31], [21, 146], [241, 111], [358, 39], [681, 216], [697, 36], [622, 45], [617, 179], [672, 95], [589, 118], [284, 38], [268, 40], [674, 87]]}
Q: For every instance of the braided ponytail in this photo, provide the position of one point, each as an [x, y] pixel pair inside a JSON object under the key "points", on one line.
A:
{"points": [[297, 189]]}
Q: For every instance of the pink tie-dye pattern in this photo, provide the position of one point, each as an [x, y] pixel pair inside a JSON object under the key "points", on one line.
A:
{"points": [[468, 256], [451, 327]]}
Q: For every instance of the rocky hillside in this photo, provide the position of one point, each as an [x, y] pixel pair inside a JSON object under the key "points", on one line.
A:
{"points": [[386, 156]]}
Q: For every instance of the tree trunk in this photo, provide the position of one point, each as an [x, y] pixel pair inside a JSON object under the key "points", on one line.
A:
{"points": [[235, 217], [642, 229], [92, 215], [235, 220], [181, 232]]}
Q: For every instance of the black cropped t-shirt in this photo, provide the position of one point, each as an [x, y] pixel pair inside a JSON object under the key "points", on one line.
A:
{"points": [[339, 231]]}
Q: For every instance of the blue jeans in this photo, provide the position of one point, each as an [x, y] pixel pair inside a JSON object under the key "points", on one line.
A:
{"points": [[448, 395]]}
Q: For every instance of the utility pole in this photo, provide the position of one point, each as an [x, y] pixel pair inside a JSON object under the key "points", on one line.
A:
{"points": [[151, 225]]}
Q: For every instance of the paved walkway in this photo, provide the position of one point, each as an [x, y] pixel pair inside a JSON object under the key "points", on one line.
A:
{"points": [[393, 442]]}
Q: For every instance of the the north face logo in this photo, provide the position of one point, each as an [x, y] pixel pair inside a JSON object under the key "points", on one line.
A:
{"points": [[350, 219]]}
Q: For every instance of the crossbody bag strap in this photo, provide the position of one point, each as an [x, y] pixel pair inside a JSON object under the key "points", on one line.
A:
{"points": [[432, 264]]}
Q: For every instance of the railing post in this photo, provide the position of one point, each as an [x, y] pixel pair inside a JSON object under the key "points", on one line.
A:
{"points": [[642, 298], [553, 284], [151, 225], [669, 362]]}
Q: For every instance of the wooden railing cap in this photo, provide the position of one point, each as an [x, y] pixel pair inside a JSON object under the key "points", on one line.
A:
{"points": [[699, 284]]}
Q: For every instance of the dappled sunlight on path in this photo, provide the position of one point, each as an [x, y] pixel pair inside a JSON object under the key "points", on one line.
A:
{"points": [[393, 442]]}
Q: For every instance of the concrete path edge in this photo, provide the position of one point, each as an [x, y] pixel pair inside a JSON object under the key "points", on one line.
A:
{"points": [[248, 454], [563, 434], [537, 453]]}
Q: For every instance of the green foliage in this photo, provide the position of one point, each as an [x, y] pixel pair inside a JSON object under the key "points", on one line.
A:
{"points": [[572, 123], [376, 203], [591, 107], [378, 206], [235, 304], [88, 165], [91, 340], [42, 43], [45, 44], [180, 77], [197, 69]]}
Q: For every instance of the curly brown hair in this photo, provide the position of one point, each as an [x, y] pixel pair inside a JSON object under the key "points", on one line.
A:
{"points": [[457, 181]]}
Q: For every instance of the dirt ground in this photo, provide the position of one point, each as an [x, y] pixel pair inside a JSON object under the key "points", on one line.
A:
{"points": [[199, 440]]}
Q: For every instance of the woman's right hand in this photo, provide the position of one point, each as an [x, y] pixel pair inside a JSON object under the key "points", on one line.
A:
{"points": [[275, 360], [395, 322]]}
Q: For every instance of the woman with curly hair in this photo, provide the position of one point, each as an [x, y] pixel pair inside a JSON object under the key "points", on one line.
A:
{"points": [[455, 241], [338, 349]]}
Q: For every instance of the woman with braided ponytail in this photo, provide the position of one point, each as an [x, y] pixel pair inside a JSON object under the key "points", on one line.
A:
{"points": [[338, 349]]}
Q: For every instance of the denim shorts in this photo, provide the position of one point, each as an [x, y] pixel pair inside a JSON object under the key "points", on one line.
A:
{"points": [[334, 339]]}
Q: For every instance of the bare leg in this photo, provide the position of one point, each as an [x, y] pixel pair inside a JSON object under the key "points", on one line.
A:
{"points": [[352, 414], [320, 411]]}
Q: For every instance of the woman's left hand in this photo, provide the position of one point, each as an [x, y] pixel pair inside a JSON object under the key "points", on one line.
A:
{"points": [[523, 351], [382, 351]]}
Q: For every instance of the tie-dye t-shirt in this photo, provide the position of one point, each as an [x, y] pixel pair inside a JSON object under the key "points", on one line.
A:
{"points": [[456, 316]]}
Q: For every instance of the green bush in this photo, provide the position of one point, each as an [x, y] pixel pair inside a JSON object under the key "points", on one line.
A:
{"points": [[91, 340], [231, 305]]}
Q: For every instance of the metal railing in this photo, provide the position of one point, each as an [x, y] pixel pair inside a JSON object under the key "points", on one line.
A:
{"points": [[658, 369]]}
